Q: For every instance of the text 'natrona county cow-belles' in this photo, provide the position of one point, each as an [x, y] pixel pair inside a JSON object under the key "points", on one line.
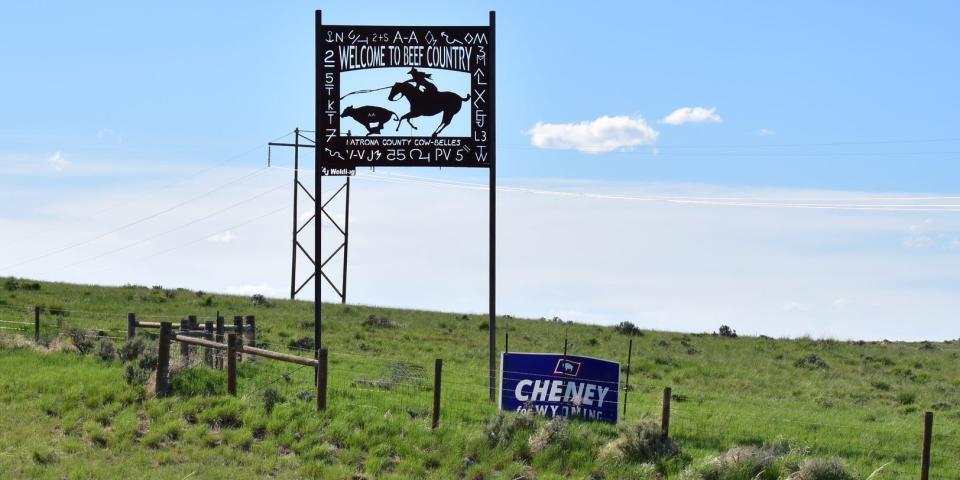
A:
{"points": [[560, 385]]}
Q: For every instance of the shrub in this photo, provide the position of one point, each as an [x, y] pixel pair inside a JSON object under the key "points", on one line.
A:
{"points": [[627, 328], [880, 385], [641, 442], [812, 362], [552, 432], [43, 455], [906, 397], [106, 350], [302, 343], [500, 427], [726, 331], [258, 299], [484, 326], [12, 284], [822, 469], [133, 349], [380, 322], [271, 396], [81, 340], [134, 375]]}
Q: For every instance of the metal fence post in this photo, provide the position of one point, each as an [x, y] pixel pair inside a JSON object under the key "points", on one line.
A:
{"points": [[232, 364], [131, 325], [927, 440], [36, 324], [163, 358], [437, 375], [626, 386], [665, 414], [322, 380]]}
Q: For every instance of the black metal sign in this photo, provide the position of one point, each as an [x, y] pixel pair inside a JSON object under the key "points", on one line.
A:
{"points": [[404, 96]]}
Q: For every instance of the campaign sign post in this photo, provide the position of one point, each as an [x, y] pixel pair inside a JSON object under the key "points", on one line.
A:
{"points": [[554, 384]]}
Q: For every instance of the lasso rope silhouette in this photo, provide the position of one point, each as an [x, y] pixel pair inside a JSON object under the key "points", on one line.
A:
{"points": [[365, 91]]}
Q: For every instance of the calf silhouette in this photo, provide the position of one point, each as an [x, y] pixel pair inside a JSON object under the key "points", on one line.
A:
{"points": [[371, 117]]}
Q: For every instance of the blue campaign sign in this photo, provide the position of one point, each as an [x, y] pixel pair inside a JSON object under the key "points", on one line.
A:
{"points": [[554, 384]]}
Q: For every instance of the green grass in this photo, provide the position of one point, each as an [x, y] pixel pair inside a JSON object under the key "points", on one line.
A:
{"points": [[72, 416]]}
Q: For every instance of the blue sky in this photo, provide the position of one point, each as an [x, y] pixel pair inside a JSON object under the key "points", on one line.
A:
{"points": [[217, 75], [103, 101]]}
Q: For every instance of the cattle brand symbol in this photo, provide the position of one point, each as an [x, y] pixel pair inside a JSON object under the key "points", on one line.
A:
{"points": [[405, 96]]}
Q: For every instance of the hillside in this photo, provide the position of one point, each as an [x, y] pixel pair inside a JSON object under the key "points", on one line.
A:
{"points": [[68, 415]]}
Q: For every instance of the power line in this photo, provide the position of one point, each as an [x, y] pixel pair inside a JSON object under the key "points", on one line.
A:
{"points": [[631, 151], [135, 222], [198, 239], [718, 201], [149, 193], [796, 145], [179, 227]]}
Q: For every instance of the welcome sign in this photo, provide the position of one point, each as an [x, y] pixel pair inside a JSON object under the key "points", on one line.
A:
{"points": [[404, 96], [552, 384]]}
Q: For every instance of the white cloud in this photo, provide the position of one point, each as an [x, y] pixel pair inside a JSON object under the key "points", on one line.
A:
{"points": [[224, 237], [955, 244], [58, 162], [605, 134], [766, 132], [692, 115], [925, 236]]}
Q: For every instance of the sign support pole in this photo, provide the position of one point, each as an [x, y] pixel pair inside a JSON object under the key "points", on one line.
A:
{"points": [[346, 243], [317, 177], [493, 211], [296, 181]]}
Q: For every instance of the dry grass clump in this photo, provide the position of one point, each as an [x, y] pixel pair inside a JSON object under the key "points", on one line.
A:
{"points": [[377, 321], [640, 442], [552, 432]]}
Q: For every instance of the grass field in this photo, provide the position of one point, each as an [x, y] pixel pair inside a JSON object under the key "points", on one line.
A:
{"points": [[788, 402]]}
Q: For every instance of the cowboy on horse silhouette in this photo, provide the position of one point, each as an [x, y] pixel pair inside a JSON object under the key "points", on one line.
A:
{"points": [[426, 100]]}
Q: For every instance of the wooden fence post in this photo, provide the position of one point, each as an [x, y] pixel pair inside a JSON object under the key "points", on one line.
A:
{"points": [[163, 358], [208, 335], [185, 347], [927, 440], [36, 324], [252, 327], [252, 335], [220, 330], [238, 329], [437, 375], [131, 325], [665, 415], [232, 364], [322, 380]]}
